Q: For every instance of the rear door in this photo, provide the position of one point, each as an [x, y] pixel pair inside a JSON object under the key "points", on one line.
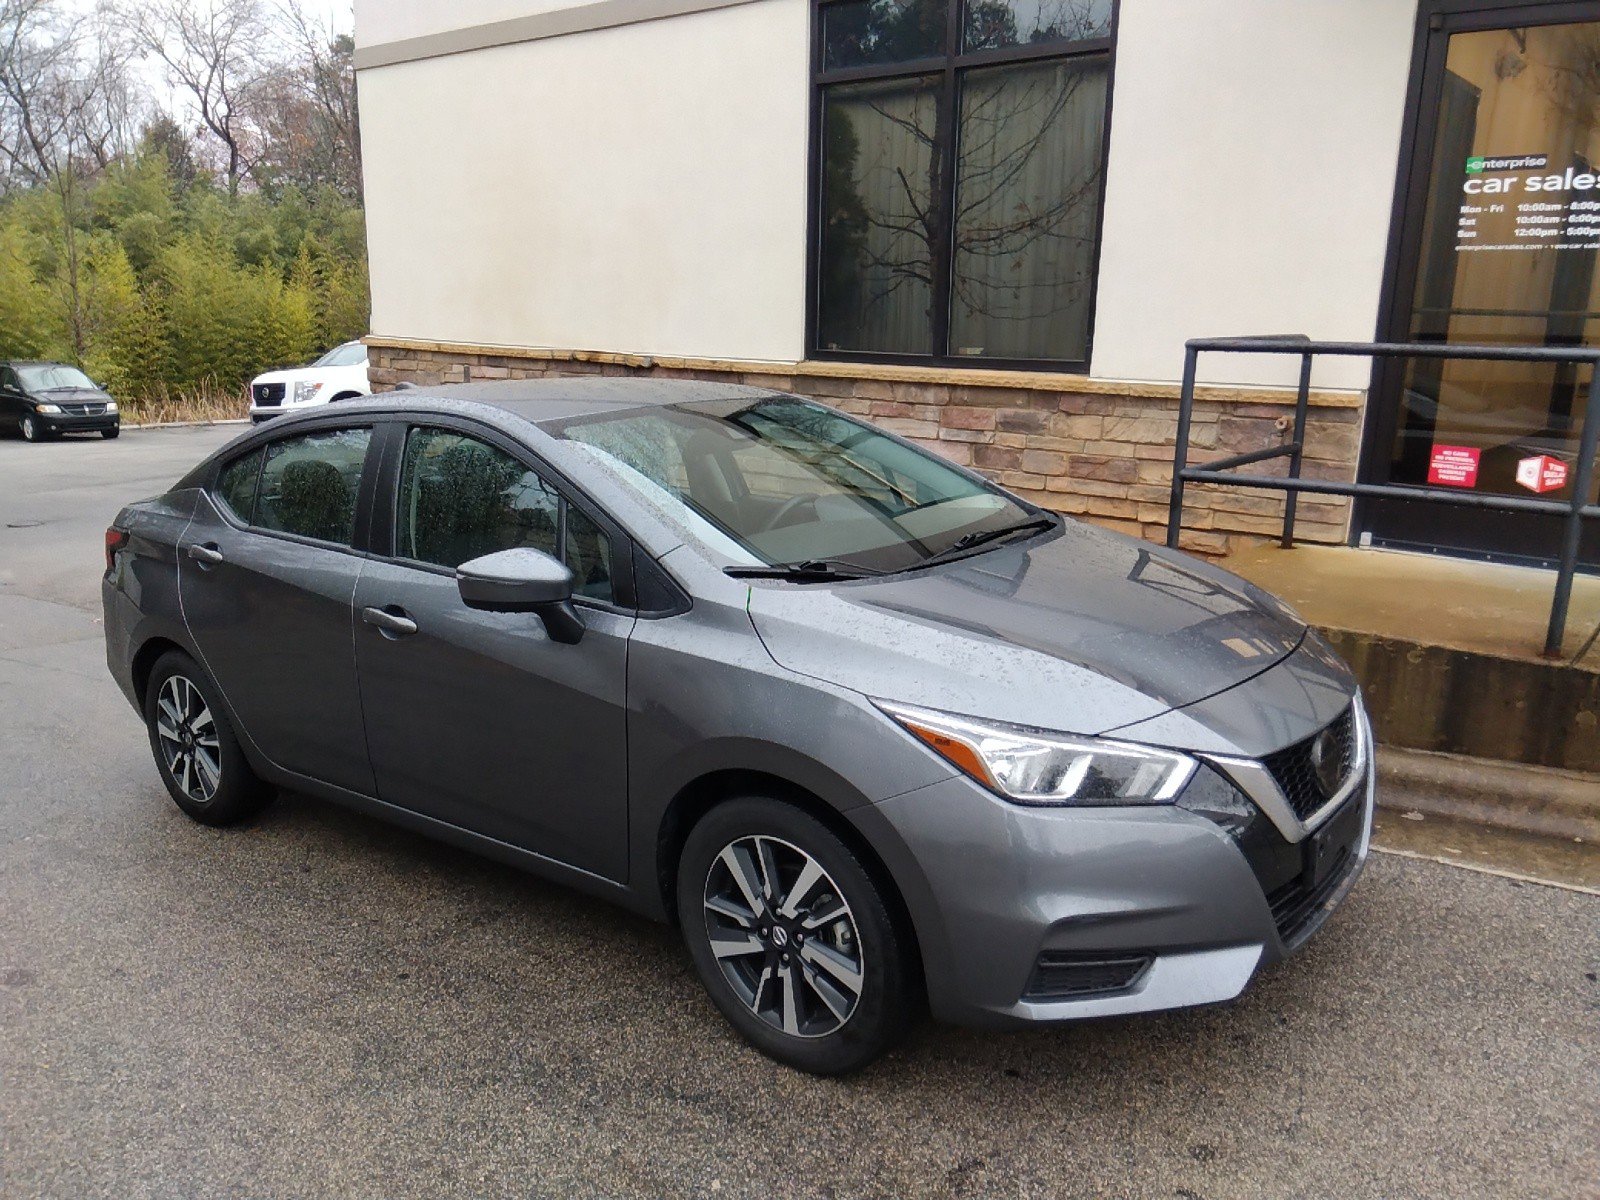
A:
{"points": [[267, 573], [478, 718]]}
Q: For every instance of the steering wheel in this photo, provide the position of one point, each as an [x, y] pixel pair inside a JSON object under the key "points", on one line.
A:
{"points": [[788, 508]]}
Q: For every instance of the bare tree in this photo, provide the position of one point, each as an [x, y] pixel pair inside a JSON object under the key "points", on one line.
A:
{"points": [[64, 92], [325, 79], [221, 55]]}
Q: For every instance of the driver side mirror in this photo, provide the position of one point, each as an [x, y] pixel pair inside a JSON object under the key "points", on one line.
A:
{"points": [[523, 580]]}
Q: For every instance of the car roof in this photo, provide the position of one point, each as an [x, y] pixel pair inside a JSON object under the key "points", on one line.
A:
{"points": [[562, 397], [33, 362]]}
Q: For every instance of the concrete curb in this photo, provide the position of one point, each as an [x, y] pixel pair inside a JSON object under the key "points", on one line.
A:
{"points": [[190, 424], [1510, 796]]}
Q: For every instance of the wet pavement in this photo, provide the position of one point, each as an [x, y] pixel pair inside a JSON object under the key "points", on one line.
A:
{"points": [[322, 1005]]}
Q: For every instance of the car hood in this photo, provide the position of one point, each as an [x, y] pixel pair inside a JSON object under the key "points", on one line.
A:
{"points": [[292, 375], [1082, 631], [70, 396]]}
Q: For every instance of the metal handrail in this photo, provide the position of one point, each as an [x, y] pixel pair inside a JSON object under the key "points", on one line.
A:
{"points": [[1575, 510]]}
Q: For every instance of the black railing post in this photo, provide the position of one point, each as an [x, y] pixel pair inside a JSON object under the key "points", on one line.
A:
{"points": [[1572, 535], [1302, 402], [1180, 450]]}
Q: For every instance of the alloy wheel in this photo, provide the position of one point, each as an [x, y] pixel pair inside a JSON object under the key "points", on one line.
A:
{"points": [[30, 431], [188, 738], [784, 936]]}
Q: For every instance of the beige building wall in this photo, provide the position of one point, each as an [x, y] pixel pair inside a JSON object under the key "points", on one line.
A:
{"points": [[1250, 181], [636, 188]]}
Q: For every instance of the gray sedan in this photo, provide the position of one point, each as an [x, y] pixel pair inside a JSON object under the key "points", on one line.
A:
{"points": [[876, 734]]}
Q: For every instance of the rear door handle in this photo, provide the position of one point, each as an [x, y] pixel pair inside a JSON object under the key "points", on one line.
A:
{"points": [[389, 621], [207, 553]]}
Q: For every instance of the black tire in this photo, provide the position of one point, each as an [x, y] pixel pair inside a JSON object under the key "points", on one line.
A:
{"points": [[236, 793], [32, 431], [108, 434], [881, 1011]]}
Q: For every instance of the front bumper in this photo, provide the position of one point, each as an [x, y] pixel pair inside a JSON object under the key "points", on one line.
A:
{"points": [[54, 423], [995, 889]]}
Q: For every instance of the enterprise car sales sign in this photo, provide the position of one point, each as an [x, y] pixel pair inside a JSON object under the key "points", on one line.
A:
{"points": [[1516, 202]]}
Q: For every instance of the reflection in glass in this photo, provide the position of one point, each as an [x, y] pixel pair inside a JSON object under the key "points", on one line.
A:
{"points": [[1509, 240], [1027, 209], [881, 31], [991, 24], [878, 221]]}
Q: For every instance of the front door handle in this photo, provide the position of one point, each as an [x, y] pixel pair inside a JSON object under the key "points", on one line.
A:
{"points": [[390, 621], [208, 554]]}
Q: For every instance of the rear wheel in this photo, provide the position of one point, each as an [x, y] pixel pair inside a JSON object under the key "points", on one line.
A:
{"points": [[793, 937], [195, 748]]}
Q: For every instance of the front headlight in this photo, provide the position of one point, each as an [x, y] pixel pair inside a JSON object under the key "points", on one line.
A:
{"points": [[111, 406], [305, 391], [1035, 766], [48, 409]]}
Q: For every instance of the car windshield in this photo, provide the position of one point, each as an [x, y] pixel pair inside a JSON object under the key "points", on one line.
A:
{"points": [[51, 376], [786, 481], [348, 355]]}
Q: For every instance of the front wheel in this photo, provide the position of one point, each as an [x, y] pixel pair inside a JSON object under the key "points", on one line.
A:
{"points": [[793, 937], [108, 434], [32, 431], [195, 747]]}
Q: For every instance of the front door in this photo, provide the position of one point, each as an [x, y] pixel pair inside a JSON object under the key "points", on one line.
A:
{"points": [[1498, 239], [480, 719]]}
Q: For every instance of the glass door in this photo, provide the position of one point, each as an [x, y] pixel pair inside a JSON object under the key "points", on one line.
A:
{"points": [[1499, 238]]}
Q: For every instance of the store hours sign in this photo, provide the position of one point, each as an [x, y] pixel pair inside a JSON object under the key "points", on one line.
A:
{"points": [[1516, 202]]}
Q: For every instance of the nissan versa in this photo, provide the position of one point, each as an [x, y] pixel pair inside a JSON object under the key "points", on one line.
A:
{"points": [[873, 732]]}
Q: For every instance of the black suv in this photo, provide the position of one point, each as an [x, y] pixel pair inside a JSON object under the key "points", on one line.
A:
{"points": [[46, 399]]}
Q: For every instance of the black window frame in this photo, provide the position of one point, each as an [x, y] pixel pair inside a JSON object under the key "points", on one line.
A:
{"points": [[950, 66], [370, 465], [385, 509]]}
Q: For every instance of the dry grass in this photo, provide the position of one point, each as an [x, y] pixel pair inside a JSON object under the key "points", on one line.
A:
{"points": [[205, 402]]}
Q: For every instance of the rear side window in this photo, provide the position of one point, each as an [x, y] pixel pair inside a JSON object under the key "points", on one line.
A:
{"points": [[461, 498], [236, 485], [308, 484]]}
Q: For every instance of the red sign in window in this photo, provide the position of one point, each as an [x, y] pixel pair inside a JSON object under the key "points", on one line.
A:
{"points": [[1454, 466], [1541, 473]]}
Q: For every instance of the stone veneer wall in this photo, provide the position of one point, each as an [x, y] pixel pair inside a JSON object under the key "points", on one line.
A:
{"points": [[1090, 448]]}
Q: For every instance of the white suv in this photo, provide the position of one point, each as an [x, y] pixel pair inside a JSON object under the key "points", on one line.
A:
{"points": [[340, 374]]}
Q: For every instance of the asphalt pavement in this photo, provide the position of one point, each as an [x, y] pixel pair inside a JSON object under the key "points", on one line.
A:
{"points": [[322, 1005]]}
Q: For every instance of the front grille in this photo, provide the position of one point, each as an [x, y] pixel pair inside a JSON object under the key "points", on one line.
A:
{"points": [[1073, 977], [1295, 906], [267, 393], [1295, 771], [83, 410]]}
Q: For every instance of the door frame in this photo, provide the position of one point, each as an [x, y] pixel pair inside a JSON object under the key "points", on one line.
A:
{"points": [[1436, 21]]}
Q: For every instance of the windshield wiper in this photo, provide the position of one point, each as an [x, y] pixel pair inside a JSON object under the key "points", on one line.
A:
{"points": [[982, 537], [811, 570]]}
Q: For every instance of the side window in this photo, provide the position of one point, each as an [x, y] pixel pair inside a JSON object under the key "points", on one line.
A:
{"points": [[236, 485], [589, 556], [8, 379], [308, 484], [461, 498]]}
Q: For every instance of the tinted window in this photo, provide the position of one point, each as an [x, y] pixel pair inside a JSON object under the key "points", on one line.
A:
{"points": [[461, 498], [589, 555], [236, 485], [308, 484]]}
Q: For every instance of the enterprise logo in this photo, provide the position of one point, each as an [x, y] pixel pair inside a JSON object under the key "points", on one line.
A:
{"points": [[1479, 163]]}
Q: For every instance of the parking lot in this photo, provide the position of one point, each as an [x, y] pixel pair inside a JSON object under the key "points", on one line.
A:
{"points": [[319, 1004]]}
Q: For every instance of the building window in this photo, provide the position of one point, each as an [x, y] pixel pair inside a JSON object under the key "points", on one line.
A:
{"points": [[961, 148]]}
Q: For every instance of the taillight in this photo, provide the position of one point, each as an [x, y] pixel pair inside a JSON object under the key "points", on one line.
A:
{"points": [[116, 539]]}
